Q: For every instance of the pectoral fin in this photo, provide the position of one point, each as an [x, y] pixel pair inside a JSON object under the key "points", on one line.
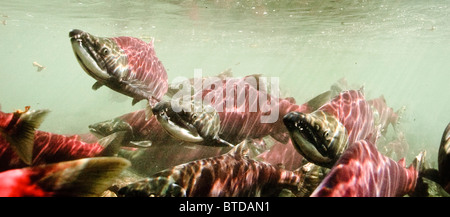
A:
{"points": [[97, 85]]}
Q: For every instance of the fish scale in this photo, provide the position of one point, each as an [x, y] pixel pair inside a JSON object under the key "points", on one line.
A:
{"points": [[49, 148], [364, 172], [125, 64], [352, 110], [144, 65], [237, 125], [229, 175]]}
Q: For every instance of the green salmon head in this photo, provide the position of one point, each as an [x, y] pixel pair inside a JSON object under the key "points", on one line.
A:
{"points": [[319, 136], [186, 124], [100, 57], [106, 128]]}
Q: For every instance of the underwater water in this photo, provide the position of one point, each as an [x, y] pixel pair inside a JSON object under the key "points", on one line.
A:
{"points": [[396, 48]]}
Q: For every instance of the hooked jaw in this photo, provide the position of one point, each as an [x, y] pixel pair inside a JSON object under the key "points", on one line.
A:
{"points": [[174, 123], [83, 45], [312, 140]]}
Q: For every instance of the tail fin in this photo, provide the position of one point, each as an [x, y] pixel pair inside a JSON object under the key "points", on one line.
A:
{"points": [[112, 143], [22, 138], [84, 177]]}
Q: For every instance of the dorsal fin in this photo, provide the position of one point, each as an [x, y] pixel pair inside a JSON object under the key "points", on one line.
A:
{"points": [[291, 100], [112, 143], [151, 43], [255, 85], [318, 101], [361, 90], [84, 177], [22, 139], [401, 162], [225, 74]]}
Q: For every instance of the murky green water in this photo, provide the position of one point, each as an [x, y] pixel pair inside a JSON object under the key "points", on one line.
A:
{"points": [[400, 49]]}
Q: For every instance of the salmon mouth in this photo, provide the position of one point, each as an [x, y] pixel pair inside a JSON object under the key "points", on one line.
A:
{"points": [[175, 124], [83, 45], [307, 139]]}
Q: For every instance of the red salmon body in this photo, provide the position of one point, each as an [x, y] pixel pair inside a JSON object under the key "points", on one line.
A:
{"points": [[363, 172]]}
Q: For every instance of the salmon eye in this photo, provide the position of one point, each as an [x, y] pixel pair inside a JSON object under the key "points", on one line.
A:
{"points": [[194, 116], [105, 51], [325, 134], [162, 113]]}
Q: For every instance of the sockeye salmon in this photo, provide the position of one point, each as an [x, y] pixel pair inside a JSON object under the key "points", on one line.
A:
{"points": [[39, 147], [78, 178], [323, 135], [197, 127], [362, 171], [125, 64], [229, 175], [164, 151], [245, 106]]}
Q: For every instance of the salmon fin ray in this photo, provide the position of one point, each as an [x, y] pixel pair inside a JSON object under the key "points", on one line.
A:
{"points": [[84, 177], [22, 139], [319, 100], [227, 73], [135, 100], [140, 144], [96, 85], [224, 143], [112, 143]]}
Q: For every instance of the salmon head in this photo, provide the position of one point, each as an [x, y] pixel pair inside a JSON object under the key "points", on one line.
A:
{"points": [[188, 125], [109, 127], [125, 64], [106, 128], [318, 136]]}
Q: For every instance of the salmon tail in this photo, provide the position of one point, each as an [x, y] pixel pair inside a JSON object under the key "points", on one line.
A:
{"points": [[82, 178], [22, 137], [112, 143]]}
